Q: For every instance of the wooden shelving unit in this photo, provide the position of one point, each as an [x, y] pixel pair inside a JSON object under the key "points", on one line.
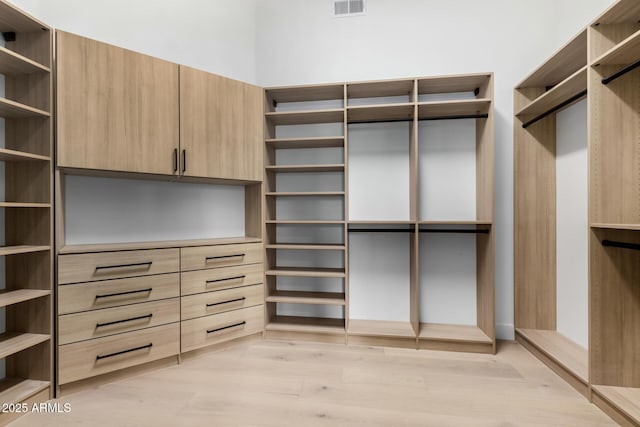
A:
{"points": [[361, 103], [27, 297], [605, 372]]}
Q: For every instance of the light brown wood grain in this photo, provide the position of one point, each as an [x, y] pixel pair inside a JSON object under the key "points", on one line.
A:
{"points": [[116, 109], [131, 246], [209, 303], [220, 126], [100, 323], [199, 281], [79, 360], [76, 268], [202, 257]]}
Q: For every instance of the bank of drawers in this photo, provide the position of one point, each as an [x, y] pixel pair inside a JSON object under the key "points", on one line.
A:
{"points": [[123, 308], [222, 294]]}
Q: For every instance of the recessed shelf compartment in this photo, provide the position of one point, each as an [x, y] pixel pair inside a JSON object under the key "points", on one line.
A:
{"points": [[306, 272], [305, 117], [380, 89], [306, 93], [14, 342], [15, 110], [454, 333], [451, 84], [564, 352], [380, 113], [624, 53], [305, 168], [381, 328], [15, 296], [315, 298], [453, 109], [14, 390], [314, 142], [14, 20], [12, 63], [625, 11], [19, 156], [317, 325]]}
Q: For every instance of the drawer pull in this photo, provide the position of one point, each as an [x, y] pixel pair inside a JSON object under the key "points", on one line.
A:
{"points": [[101, 325], [226, 302], [136, 264], [124, 293], [210, 331], [223, 257], [117, 353], [228, 278]]}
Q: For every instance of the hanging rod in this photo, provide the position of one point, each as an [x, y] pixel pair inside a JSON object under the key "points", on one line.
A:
{"points": [[554, 109], [621, 73], [455, 230], [381, 230], [623, 245]]}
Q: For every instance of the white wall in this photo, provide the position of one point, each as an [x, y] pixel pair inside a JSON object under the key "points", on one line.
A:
{"points": [[213, 35], [300, 42]]}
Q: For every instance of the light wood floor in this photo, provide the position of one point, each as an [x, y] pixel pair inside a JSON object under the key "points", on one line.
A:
{"points": [[303, 384]]}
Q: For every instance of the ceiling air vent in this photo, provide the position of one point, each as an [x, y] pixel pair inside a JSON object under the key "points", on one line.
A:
{"points": [[348, 7]]}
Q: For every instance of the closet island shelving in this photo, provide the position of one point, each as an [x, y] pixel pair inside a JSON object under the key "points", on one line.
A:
{"points": [[306, 125]]}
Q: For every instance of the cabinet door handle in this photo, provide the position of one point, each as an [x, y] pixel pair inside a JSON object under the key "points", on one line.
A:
{"points": [[227, 279], [175, 160], [226, 302], [211, 331], [211, 258], [184, 161], [117, 353], [136, 264], [117, 294], [115, 322]]}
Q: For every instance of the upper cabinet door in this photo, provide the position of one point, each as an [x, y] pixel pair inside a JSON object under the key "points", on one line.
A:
{"points": [[117, 109], [221, 126]]}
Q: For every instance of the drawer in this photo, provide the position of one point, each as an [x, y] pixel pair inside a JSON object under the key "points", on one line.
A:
{"points": [[100, 323], [197, 258], [94, 357], [76, 268], [112, 293], [199, 305], [195, 282], [221, 327]]}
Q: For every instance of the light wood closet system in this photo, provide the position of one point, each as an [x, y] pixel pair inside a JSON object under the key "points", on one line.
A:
{"points": [[27, 297], [407, 106], [601, 64]]}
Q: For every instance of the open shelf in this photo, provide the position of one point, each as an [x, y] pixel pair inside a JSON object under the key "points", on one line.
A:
{"points": [[570, 88], [14, 390], [24, 205], [15, 110], [380, 113], [14, 20], [624, 53], [306, 93], [567, 60], [456, 333], [9, 297], [306, 272], [484, 224], [620, 12], [381, 328], [12, 63], [304, 222], [630, 227], [19, 156], [318, 142], [305, 194], [625, 399], [379, 89], [305, 168], [306, 246], [23, 249], [380, 222], [560, 349], [315, 298], [449, 84], [305, 117], [319, 325], [453, 109], [14, 342]]}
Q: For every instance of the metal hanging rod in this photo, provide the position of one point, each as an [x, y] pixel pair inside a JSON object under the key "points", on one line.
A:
{"points": [[472, 116], [455, 230], [623, 245], [554, 109], [621, 73]]}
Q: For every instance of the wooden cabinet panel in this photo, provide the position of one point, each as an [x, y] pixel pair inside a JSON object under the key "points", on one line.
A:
{"points": [[215, 279], [117, 109], [201, 257], [221, 126], [199, 305]]}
